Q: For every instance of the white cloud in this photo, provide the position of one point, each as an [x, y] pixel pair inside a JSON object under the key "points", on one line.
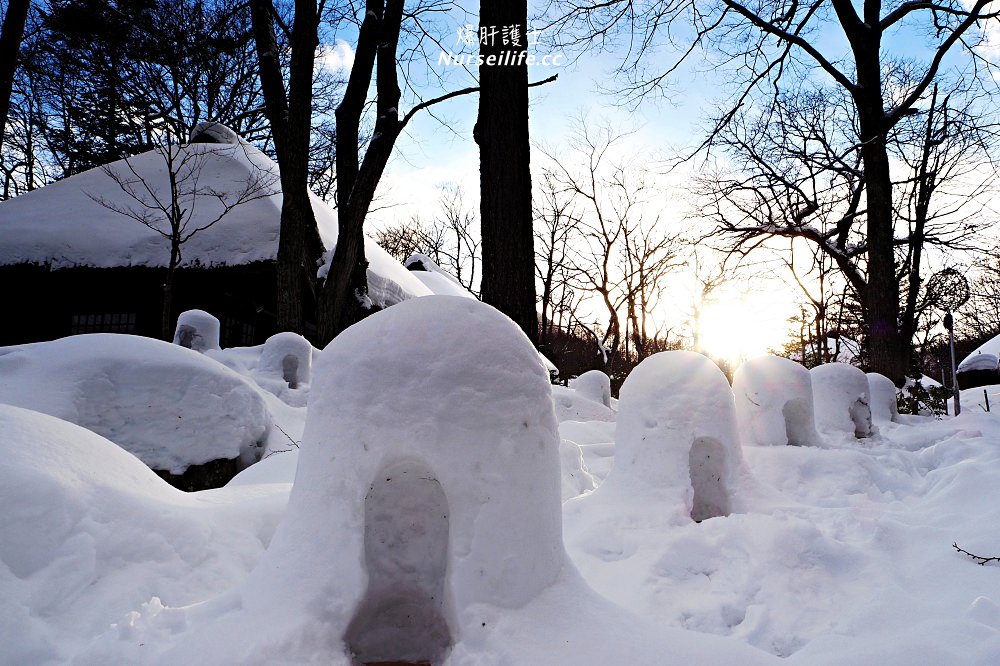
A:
{"points": [[338, 58]]}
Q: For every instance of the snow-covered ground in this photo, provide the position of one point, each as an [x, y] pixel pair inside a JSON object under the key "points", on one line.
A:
{"points": [[434, 462]]}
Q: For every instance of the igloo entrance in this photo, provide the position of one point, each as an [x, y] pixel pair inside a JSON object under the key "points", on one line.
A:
{"points": [[401, 618], [707, 465]]}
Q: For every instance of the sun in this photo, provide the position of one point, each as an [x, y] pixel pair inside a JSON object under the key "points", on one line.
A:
{"points": [[737, 326]]}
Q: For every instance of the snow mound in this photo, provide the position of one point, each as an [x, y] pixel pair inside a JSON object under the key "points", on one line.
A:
{"points": [[774, 403], [169, 406], [571, 405], [197, 330], [89, 533], [593, 385], [884, 405], [576, 478], [842, 398]]}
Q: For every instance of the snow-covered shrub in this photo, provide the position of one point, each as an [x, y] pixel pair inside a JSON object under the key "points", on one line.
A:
{"points": [[923, 397], [843, 399], [594, 385], [677, 452], [287, 359], [169, 406], [197, 330], [883, 398], [774, 402]]}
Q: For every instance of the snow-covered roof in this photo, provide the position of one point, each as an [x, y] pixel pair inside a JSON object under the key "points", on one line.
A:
{"points": [[65, 224], [979, 360]]}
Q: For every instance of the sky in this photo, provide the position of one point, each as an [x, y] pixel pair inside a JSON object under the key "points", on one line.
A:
{"points": [[438, 149]]}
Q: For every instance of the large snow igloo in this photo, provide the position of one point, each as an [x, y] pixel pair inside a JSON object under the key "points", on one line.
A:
{"points": [[774, 403], [677, 452], [428, 485], [842, 397]]}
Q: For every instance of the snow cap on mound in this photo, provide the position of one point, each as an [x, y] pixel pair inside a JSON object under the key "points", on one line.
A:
{"points": [[774, 402], [677, 449], [884, 406], [169, 406], [593, 385], [197, 330], [842, 397]]}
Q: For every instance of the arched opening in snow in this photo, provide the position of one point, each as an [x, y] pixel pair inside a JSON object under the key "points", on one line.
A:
{"points": [[402, 615], [861, 415], [185, 336], [707, 467], [290, 370], [798, 422]]}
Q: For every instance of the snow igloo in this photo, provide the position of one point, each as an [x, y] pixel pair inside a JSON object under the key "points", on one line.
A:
{"points": [[197, 330], [428, 485], [594, 385], [774, 403], [285, 367], [842, 397], [677, 452]]}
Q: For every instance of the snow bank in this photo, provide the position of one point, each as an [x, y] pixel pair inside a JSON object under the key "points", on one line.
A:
{"points": [[169, 406], [424, 523], [884, 405], [89, 533], [593, 385], [197, 330], [774, 403], [842, 398], [571, 405]]}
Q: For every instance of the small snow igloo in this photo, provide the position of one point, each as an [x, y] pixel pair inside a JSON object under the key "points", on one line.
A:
{"points": [[428, 488], [197, 330], [594, 385], [676, 449], [774, 403], [842, 398]]}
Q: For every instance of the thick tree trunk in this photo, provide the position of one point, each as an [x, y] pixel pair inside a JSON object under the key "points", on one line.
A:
{"points": [[299, 244], [344, 293], [887, 350], [11, 35], [508, 276]]}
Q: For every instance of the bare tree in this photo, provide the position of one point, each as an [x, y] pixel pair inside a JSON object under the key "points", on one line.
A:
{"points": [[181, 207], [620, 254], [797, 172], [11, 33], [773, 46]]}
